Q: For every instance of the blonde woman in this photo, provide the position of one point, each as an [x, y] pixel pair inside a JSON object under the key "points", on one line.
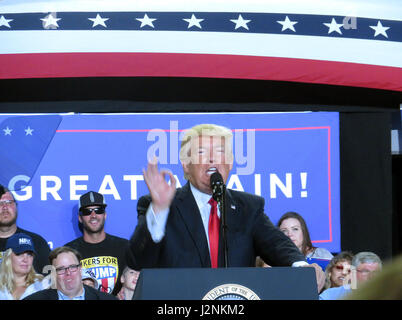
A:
{"points": [[18, 278], [338, 271]]}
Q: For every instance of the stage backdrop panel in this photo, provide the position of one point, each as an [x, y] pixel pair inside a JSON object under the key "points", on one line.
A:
{"points": [[291, 159]]}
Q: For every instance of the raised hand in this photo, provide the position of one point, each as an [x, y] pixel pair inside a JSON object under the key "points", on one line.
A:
{"points": [[161, 192]]}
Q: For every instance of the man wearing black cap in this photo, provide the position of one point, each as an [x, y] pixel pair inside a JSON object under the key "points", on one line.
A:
{"points": [[102, 253], [8, 227]]}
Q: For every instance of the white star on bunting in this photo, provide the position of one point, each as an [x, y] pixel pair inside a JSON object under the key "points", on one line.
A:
{"points": [[380, 29], [334, 26], [193, 21], [28, 131], [7, 131], [287, 24], [50, 21], [146, 21], [5, 22], [98, 21], [240, 22]]}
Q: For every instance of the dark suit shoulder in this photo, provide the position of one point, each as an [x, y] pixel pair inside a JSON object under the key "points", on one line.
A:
{"points": [[247, 198], [239, 196], [51, 294], [46, 294]]}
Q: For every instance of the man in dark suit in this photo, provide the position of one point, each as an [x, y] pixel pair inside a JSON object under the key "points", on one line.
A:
{"points": [[67, 279], [52, 294], [174, 226]]}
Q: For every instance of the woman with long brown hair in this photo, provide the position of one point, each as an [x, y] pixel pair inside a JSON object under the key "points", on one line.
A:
{"points": [[294, 226]]}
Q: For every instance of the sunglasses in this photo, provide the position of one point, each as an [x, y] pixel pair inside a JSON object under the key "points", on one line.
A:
{"points": [[342, 268], [88, 211]]}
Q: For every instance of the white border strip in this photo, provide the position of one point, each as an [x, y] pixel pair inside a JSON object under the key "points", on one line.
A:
{"points": [[373, 52]]}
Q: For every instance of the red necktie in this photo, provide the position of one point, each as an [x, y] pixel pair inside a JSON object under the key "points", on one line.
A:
{"points": [[213, 232]]}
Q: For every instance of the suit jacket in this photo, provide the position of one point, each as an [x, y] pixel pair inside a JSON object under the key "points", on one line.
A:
{"points": [[51, 294], [250, 233]]}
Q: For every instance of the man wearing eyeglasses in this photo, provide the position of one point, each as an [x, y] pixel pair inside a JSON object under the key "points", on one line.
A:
{"points": [[364, 266], [102, 253], [68, 283], [8, 227]]}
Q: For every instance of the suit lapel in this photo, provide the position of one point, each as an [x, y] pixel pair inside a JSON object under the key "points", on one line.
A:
{"points": [[189, 212], [52, 294], [231, 207]]}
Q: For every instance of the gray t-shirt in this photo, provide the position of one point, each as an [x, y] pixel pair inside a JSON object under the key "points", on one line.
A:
{"points": [[320, 253]]}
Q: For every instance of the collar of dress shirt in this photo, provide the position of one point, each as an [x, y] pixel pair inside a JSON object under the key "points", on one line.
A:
{"points": [[202, 200], [200, 197], [62, 296]]}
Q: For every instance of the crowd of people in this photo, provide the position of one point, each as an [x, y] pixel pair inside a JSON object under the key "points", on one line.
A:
{"points": [[176, 228], [87, 268]]}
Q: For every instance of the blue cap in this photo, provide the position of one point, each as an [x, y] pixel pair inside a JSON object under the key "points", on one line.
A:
{"points": [[19, 243]]}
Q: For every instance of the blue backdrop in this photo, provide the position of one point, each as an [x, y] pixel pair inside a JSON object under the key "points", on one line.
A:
{"points": [[291, 159]]}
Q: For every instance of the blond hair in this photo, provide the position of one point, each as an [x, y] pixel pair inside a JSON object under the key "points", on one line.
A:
{"points": [[7, 274], [205, 130]]}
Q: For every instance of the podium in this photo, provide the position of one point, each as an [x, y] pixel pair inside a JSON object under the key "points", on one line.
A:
{"points": [[278, 283]]}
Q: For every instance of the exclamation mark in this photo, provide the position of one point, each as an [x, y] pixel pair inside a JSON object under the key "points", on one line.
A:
{"points": [[303, 179]]}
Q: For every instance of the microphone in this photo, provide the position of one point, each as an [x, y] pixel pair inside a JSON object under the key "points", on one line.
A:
{"points": [[217, 186]]}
